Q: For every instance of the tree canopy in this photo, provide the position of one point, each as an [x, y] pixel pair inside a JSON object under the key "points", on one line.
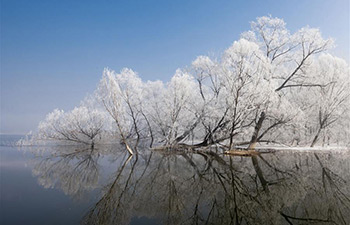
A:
{"points": [[291, 79]]}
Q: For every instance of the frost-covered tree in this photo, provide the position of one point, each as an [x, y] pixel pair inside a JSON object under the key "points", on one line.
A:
{"points": [[272, 85], [296, 70], [120, 95], [81, 125], [181, 113], [324, 105], [235, 91]]}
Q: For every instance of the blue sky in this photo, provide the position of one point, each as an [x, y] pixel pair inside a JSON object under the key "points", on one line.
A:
{"points": [[53, 52]]}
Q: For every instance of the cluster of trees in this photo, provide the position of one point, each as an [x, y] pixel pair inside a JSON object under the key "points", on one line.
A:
{"points": [[270, 86]]}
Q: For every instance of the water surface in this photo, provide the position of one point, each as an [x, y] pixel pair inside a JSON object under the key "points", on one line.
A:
{"points": [[77, 185]]}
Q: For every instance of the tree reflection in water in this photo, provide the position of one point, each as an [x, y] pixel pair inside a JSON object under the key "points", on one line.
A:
{"points": [[205, 187]]}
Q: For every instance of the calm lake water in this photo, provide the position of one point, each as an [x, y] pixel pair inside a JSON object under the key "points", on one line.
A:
{"points": [[76, 185]]}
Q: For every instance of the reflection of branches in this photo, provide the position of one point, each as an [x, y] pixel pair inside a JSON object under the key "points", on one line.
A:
{"points": [[209, 188], [73, 172], [341, 199], [289, 219], [104, 209], [259, 173]]}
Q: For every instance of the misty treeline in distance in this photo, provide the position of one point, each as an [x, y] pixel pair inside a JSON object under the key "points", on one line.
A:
{"points": [[271, 86]]}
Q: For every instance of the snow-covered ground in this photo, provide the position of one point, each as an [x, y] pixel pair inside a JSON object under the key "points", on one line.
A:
{"points": [[306, 149]]}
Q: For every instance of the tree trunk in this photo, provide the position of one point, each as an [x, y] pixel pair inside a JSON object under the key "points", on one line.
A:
{"points": [[316, 137], [256, 132], [322, 125]]}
